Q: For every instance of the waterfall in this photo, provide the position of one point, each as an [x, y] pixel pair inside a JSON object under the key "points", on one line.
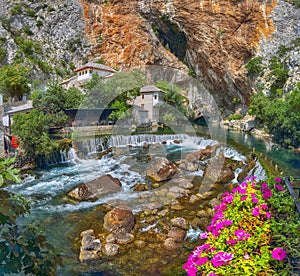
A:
{"points": [[258, 171], [69, 157], [138, 140]]}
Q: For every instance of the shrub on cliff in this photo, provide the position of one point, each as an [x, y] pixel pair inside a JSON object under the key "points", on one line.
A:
{"points": [[244, 236]]}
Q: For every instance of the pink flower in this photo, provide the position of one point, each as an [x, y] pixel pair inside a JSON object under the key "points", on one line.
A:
{"points": [[267, 194], [212, 274], [253, 184], [278, 254], [279, 188], [228, 199], [264, 185], [243, 198], [253, 194], [190, 269], [255, 211], [277, 179], [201, 261], [231, 242], [254, 200], [268, 215], [244, 185], [225, 194], [246, 257], [247, 178], [242, 191], [264, 206], [253, 177], [221, 258], [227, 222], [203, 235], [241, 234]]}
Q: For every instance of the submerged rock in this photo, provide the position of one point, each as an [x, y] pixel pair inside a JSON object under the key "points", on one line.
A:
{"points": [[95, 189], [90, 246], [118, 218], [161, 169], [111, 249]]}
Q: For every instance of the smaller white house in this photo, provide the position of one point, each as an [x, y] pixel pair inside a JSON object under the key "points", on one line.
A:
{"points": [[85, 73], [146, 107]]}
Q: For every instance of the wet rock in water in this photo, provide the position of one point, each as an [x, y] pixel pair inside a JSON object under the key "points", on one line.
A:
{"points": [[90, 246], [189, 166], [177, 207], [177, 192], [170, 244], [122, 237], [177, 141], [216, 172], [119, 152], [146, 146], [214, 202], [141, 187], [180, 222], [185, 184], [193, 199], [177, 235], [119, 217], [163, 212], [110, 238], [203, 214], [161, 169], [140, 243], [111, 249], [95, 189], [203, 223]]}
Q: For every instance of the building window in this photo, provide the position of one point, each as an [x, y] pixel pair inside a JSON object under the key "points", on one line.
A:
{"points": [[143, 96], [85, 71], [79, 74], [142, 105], [155, 97], [91, 71]]}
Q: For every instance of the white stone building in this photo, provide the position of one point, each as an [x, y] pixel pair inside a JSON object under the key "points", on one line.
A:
{"points": [[85, 73], [146, 107]]}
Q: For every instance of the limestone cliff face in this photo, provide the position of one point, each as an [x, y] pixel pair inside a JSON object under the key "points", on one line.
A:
{"points": [[214, 38]]}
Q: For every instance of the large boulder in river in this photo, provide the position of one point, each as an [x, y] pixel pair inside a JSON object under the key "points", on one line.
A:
{"points": [[118, 218], [95, 189], [161, 169], [217, 171]]}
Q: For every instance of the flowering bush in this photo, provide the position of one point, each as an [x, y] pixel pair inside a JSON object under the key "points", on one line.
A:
{"points": [[239, 240]]}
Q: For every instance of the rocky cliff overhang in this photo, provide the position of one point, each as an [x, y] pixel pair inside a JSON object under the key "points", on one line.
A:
{"points": [[215, 39]]}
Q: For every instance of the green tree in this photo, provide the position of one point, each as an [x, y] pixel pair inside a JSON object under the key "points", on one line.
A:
{"points": [[174, 97], [22, 248], [115, 92], [73, 98], [32, 131], [52, 102], [14, 80]]}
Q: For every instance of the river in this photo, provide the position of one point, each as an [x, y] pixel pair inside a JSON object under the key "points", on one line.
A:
{"points": [[63, 220]]}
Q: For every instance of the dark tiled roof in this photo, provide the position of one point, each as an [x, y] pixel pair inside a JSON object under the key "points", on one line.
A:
{"points": [[150, 88], [96, 66]]}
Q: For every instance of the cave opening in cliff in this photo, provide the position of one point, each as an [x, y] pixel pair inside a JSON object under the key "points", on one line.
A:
{"points": [[171, 37]]}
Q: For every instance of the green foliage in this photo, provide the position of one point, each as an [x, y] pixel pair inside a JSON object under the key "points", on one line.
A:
{"points": [[73, 44], [17, 9], [28, 46], [174, 97], [31, 130], [168, 119], [30, 12], [281, 116], [39, 23], [8, 174], [26, 30], [255, 67], [14, 81], [3, 52], [192, 73], [22, 249], [107, 93], [73, 98], [52, 102], [235, 117]]}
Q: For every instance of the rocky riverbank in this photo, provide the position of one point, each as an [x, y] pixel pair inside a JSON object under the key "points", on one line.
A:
{"points": [[174, 205]]}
